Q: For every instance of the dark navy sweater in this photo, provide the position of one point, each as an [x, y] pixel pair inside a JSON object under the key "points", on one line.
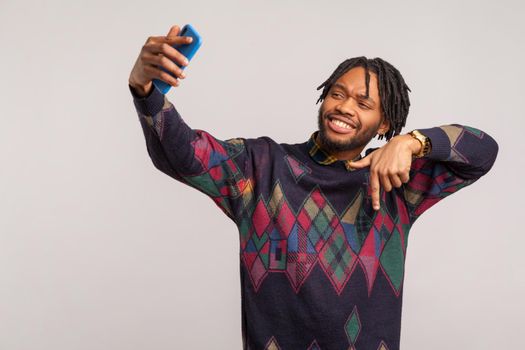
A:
{"points": [[320, 268]]}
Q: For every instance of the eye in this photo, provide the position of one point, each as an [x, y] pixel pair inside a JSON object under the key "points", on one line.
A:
{"points": [[364, 105], [336, 94]]}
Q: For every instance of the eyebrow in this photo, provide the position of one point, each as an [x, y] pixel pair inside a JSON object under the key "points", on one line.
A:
{"points": [[361, 96]]}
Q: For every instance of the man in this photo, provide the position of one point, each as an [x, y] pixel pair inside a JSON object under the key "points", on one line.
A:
{"points": [[323, 230]]}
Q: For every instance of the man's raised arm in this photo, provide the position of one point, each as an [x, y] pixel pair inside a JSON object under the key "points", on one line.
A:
{"points": [[191, 156]]}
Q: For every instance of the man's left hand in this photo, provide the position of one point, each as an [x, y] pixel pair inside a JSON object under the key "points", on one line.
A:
{"points": [[389, 164]]}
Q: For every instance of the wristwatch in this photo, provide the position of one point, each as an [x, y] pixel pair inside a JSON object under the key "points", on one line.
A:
{"points": [[426, 146]]}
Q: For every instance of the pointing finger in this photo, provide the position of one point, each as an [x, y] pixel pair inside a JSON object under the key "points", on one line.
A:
{"points": [[374, 187]]}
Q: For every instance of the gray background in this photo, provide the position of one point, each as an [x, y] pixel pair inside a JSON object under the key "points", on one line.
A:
{"points": [[99, 250]]}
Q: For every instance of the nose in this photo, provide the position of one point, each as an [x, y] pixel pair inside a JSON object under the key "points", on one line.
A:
{"points": [[346, 106]]}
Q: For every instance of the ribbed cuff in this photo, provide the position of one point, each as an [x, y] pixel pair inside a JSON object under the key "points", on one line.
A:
{"points": [[150, 104], [440, 143]]}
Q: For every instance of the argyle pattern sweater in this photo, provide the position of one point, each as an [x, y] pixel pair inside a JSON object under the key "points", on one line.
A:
{"points": [[320, 268]]}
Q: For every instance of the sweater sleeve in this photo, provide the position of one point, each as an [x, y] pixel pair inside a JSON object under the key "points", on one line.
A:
{"points": [[460, 155], [192, 156]]}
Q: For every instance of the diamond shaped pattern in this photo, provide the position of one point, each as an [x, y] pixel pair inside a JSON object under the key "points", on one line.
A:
{"points": [[274, 238]]}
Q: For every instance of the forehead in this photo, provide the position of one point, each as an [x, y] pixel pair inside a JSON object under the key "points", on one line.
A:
{"points": [[355, 82]]}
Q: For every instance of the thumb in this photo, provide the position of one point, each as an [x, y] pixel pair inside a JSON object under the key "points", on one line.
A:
{"points": [[361, 163], [174, 31]]}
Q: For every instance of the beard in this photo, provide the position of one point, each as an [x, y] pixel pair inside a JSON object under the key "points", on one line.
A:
{"points": [[359, 140]]}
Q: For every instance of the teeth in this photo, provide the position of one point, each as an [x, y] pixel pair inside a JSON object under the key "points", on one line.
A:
{"points": [[341, 124]]}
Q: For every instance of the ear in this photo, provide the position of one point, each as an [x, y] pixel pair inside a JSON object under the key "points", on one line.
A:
{"points": [[383, 127]]}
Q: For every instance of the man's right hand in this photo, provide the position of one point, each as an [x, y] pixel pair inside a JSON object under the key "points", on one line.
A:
{"points": [[158, 52]]}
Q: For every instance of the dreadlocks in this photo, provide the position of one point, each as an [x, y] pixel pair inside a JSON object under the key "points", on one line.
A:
{"points": [[393, 91]]}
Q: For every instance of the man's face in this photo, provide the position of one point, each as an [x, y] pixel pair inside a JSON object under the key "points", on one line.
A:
{"points": [[346, 102]]}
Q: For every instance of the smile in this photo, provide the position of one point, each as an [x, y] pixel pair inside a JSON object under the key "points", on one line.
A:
{"points": [[340, 123], [339, 126]]}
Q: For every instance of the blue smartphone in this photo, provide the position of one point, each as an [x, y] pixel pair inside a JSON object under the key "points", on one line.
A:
{"points": [[188, 50]]}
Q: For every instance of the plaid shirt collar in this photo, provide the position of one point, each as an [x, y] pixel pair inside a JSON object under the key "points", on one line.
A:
{"points": [[323, 157]]}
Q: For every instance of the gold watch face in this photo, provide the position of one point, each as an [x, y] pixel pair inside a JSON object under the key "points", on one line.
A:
{"points": [[424, 142], [419, 135]]}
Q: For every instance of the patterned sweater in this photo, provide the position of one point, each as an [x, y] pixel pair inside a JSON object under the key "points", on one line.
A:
{"points": [[320, 268]]}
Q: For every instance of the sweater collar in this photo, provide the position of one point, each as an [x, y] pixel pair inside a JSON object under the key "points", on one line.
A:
{"points": [[322, 156]]}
